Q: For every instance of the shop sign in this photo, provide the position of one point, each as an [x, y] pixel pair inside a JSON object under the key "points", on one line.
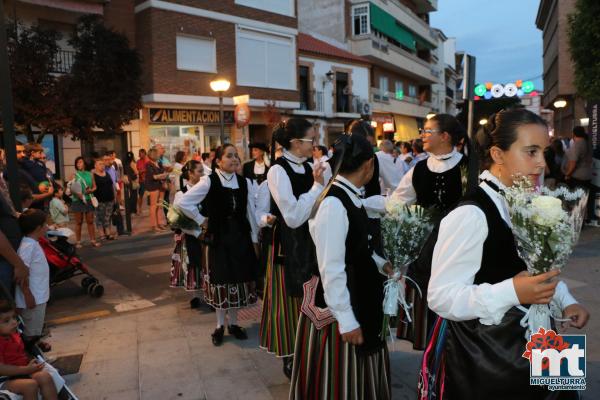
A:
{"points": [[242, 115], [183, 116]]}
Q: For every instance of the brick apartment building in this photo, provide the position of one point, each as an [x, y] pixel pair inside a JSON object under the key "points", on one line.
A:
{"points": [[558, 66], [184, 44], [395, 36], [187, 43]]}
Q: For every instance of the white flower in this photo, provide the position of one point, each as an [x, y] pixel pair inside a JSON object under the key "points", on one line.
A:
{"points": [[547, 211], [393, 205]]}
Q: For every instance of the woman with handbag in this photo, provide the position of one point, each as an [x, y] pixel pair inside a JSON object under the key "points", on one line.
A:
{"points": [[156, 185], [82, 187]]}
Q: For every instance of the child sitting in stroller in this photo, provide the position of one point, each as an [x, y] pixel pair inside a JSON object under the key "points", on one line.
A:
{"points": [[27, 376]]}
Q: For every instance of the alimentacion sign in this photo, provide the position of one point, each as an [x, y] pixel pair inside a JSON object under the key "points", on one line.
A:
{"points": [[188, 116]]}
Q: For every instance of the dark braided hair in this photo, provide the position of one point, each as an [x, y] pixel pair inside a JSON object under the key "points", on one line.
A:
{"points": [[185, 173]]}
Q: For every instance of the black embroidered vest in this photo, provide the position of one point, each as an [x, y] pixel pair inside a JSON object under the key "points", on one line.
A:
{"points": [[440, 190]]}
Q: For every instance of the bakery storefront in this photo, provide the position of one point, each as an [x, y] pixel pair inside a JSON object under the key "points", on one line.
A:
{"points": [[189, 130]]}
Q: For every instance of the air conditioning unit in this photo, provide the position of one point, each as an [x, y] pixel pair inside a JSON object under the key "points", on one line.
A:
{"points": [[364, 108]]}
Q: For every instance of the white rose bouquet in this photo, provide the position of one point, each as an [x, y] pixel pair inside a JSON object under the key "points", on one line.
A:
{"points": [[404, 230], [545, 234]]}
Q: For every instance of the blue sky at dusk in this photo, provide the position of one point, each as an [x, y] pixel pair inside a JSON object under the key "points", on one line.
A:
{"points": [[500, 33]]}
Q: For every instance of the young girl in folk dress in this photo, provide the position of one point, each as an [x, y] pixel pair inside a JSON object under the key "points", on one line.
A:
{"points": [[339, 351], [230, 267], [294, 187], [478, 278], [186, 267]]}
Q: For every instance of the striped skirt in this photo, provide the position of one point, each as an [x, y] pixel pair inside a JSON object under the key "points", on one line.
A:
{"points": [[228, 295], [186, 271], [279, 313], [326, 368]]}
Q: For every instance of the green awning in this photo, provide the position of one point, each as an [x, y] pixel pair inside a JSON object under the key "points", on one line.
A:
{"points": [[387, 24]]}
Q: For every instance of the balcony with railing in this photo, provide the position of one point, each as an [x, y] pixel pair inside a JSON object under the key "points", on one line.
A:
{"points": [[380, 51], [449, 93], [63, 61], [311, 101], [385, 102], [347, 104], [408, 18]]}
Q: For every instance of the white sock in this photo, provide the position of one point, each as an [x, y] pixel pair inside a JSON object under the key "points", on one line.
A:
{"points": [[220, 317], [232, 316]]}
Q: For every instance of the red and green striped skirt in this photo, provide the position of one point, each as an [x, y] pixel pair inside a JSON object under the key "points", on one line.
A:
{"points": [[325, 367], [279, 313]]}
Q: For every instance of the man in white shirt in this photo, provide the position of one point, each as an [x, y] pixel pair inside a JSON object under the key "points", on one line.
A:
{"points": [[390, 172]]}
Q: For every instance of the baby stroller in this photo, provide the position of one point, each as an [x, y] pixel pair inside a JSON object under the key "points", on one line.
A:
{"points": [[64, 263]]}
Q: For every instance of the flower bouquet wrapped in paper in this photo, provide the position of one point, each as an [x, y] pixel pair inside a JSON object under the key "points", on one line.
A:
{"points": [[178, 220], [404, 229], [546, 229]]}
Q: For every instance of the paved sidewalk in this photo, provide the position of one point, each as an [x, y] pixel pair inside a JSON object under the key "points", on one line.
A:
{"points": [[164, 351]]}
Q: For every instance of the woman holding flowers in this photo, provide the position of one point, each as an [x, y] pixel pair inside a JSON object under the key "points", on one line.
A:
{"points": [[230, 267], [478, 279], [339, 350], [436, 182]]}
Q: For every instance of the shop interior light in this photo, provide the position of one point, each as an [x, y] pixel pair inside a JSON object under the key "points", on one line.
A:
{"points": [[374, 124], [483, 121], [388, 126]]}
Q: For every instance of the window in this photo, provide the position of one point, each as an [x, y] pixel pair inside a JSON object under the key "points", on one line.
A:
{"points": [[360, 18], [303, 86], [265, 60], [285, 7], [196, 54], [383, 86], [399, 93], [412, 91]]}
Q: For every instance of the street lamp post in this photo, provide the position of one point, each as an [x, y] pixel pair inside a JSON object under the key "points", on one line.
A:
{"points": [[560, 104], [220, 86]]}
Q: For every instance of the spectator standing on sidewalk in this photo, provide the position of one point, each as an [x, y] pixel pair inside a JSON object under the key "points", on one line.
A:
{"points": [[105, 193], [141, 167], [133, 182], [156, 182], [578, 169], [12, 267], [82, 200], [166, 165]]}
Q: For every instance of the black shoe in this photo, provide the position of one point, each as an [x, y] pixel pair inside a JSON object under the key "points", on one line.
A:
{"points": [[195, 302], [237, 331], [288, 365], [217, 336]]}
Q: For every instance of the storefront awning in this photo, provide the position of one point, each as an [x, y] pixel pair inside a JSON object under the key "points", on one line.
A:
{"points": [[387, 24], [406, 128]]}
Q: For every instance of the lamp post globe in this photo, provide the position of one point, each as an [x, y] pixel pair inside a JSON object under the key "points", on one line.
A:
{"points": [[559, 104], [220, 86]]}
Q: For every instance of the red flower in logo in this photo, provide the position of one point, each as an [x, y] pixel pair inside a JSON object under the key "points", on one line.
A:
{"points": [[545, 339]]}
